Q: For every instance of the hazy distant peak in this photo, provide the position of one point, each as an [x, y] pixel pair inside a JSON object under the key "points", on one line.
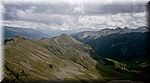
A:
{"points": [[126, 28], [118, 28], [143, 27], [11, 32]]}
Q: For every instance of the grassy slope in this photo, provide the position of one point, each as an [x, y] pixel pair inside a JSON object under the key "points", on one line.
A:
{"points": [[59, 58], [31, 60]]}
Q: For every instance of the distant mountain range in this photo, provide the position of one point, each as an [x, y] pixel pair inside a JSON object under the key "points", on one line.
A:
{"points": [[119, 44], [11, 32], [89, 35]]}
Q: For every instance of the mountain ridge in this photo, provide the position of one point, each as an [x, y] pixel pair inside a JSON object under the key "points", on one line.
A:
{"points": [[60, 58], [88, 35], [11, 32], [44, 59]]}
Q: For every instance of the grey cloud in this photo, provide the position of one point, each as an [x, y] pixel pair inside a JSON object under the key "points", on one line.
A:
{"points": [[115, 8], [85, 8], [67, 16]]}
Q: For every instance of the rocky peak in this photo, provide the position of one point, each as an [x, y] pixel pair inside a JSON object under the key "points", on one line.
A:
{"points": [[126, 28], [64, 35], [118, 28]]}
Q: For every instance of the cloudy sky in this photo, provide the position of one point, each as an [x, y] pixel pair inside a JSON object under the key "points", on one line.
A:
{"points": [[74, 15]]}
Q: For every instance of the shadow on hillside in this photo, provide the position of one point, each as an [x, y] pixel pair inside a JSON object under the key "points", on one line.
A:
{"points": [[53, 81]]}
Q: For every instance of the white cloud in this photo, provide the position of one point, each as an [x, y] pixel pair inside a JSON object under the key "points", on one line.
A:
{"points": [[72, 1], [82, 22], [75, 17]]}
